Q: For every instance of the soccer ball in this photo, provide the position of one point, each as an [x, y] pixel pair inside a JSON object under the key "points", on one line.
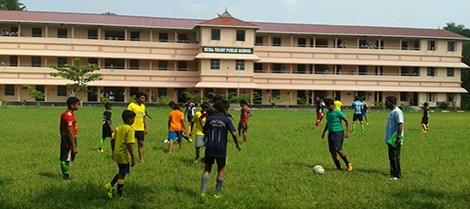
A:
{"points": [[165, 141], [318, 169]]}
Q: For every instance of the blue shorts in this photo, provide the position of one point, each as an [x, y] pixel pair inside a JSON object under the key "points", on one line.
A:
{"points": [[124, 168], [172, 135]]}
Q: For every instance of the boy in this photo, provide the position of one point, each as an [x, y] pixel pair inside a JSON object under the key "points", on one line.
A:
{"points": [[215, 130], [425, 118], [123, 153], [357, 107], [68, 136], [175, 127], [336, 134], [243, 123], [365, 109], [189, 110], [198, 129], [320, 106], [140, 126], [107, 127], [394, 136], [338, 104]]}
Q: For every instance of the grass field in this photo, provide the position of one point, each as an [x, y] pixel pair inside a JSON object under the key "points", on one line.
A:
{"points": [[273, 170]]}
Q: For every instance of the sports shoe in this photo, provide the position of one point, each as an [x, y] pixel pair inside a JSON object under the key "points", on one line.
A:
{"points": [[165, 141], [108, 190], [196, 160], [217, 196], [190, 140], [350, 168], [67, 177], [100, 150], [202, 195]]}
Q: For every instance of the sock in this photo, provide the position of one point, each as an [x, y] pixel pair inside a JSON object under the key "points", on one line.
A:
{"points": [[204, 181], [345, 159], [198, 151], [120, 186], [219, 185], [362, 127], [115, 179], [338, 165], [101, 143], [353, 128], [65, 167], [427, 127]]}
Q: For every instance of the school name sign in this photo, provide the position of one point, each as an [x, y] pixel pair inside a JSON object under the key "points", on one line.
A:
{"points": [[227, 50]]}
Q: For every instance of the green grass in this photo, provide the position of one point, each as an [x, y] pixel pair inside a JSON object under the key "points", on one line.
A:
{"points": [[273, 170]]}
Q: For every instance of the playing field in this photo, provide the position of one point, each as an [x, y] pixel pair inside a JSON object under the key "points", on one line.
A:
{"points": [[273, 170]]}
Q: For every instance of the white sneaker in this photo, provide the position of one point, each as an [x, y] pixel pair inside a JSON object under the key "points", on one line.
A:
{"points": [[165, 141]]}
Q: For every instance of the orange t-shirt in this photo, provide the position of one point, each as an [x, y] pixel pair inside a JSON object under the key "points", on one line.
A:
{"points": [[176, 117]]}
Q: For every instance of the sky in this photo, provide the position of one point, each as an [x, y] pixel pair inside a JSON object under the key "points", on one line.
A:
{"points": [[395, 13]]}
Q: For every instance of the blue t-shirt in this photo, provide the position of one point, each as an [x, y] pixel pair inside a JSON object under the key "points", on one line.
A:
{"points": [[216, 130], [394, 119], [357, 107]]}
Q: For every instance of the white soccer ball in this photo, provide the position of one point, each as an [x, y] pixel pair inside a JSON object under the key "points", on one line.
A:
{"points": [[318, 169], [165, 141]]}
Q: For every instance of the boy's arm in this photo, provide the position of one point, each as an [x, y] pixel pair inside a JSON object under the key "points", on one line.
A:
{"points": [[113, 142], [108, 122], [324, 130], [235, 139], [72, 140], [145, 126], [399, 132], [347, 127], [131, 152]]}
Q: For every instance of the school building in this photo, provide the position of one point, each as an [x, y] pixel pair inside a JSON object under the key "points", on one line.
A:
{"points": [[280, 63]]}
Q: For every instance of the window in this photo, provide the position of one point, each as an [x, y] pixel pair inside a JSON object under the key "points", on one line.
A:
{"points": [[277, 68], [450, 72], [114, 35], [302, 42], [162, 92], [35, 61], [417, 45], [14, 61], [240, 35], [182, 66], [431, 71], [276, 41], [36, 32], [183, 38], [403, 96], [62, 33], [135, 36], [215, 64], [362, 70], [162, 65], [379, 70], [450, 97], [258, 67], [321, 43], [363, 44], [432, 45], [93, 61], [61, 61], [258, 41], [215, 34], [92, 34], [114, 63], [301, 68], [431, 97], [451, 46], [9, 90], [275, 94], [404, 45], [40, 88], [134, 64], [163, 37], [239, 64], [61, 90]]}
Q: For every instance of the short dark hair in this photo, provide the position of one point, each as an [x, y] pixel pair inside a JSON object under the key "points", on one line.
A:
{"points": [[243, 101], [426, 104], [216, 99], [139, 94], [71, 101], [127, 114], [219, 107], [329, 102], [171, 104], [108, 105], [356, 98], [205, 105], [176, 106], [225, 104], [391, 99]]}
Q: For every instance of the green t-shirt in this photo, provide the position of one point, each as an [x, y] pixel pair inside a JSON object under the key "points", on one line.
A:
{"points": [[334, 120]]}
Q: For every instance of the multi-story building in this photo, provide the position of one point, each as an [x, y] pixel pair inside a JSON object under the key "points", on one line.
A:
{"points": [[278, 62]]}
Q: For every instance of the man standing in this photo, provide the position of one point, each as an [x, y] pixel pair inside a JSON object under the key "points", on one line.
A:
{"points": [[140, 126], [394, 136]]}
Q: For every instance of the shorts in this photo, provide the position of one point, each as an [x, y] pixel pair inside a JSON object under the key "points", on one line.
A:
{"points": [[357, 117], [172, 135], [105, 132], [243, 127], [335, 141], [139, 135], [200, 141], [190, 118], [319, 115], [221, 161], [66, 153], [424, 121], [365, 114], [124, 168]]}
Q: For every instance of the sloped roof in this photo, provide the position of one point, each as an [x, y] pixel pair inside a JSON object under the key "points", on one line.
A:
{"points": [[189, 24]]}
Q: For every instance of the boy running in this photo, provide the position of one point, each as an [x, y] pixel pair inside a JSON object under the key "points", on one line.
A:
{"points": [[394, 136], [140, 126], [175, 127], [123, 153], [68, 136], [199, 124], [216, 130], [320, 106], [243, 123], [425, 118], [336, 134], [357, 107], [107, 126]]}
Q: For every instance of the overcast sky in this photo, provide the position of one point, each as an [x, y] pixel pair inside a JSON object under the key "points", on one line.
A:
{"points": [[395, 13]]}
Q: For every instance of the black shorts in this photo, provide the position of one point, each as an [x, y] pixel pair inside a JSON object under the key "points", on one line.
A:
{"points": [[66, 153], [243, 127], [190, 118], [424, 121], [335, 141], [221, 161], [139, 135], [105, 132], [357, 117]]}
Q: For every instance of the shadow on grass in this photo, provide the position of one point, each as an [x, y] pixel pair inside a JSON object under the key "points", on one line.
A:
{"points": [[49, 175], [429, 199]]}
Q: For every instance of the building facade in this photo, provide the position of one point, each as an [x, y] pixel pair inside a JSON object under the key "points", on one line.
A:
{"points": [[287, 64]]}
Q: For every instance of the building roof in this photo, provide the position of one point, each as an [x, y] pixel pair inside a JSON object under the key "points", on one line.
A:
{"points": [[222, 20]]}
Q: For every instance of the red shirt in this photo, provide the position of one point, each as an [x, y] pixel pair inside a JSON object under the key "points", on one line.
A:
{"points": [[244, 115], [67, 119]]}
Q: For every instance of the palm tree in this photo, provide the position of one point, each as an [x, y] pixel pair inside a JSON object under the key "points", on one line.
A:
{"points": [[12, 5]]}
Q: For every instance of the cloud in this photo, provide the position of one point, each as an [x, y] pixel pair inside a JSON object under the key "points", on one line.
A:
{"points": [[289, 4]]}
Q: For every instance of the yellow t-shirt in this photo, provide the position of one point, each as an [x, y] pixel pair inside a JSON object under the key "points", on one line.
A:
{"points": [[338, 105], [175, 119], [124, 135], [139, 111], [197, 124]]}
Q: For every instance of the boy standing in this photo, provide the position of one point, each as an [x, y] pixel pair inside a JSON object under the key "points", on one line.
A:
{"points": [[394, 136], [140, 126], [123, 153], [243, 123], [338, 104], [199, 122], [320, 106], [357, 107], [336, 134], [189, 110], [216, 130], [68, 136], [425, 118], [107, 127], [175, 127]]}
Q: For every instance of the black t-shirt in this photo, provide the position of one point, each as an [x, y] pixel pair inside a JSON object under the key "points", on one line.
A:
{"points": [[107, 117], [216, 131]]}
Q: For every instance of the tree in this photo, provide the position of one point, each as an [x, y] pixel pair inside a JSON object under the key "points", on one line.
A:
{"points": [[108, 13], [35, 94], [12, 5], [79, 75]]}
